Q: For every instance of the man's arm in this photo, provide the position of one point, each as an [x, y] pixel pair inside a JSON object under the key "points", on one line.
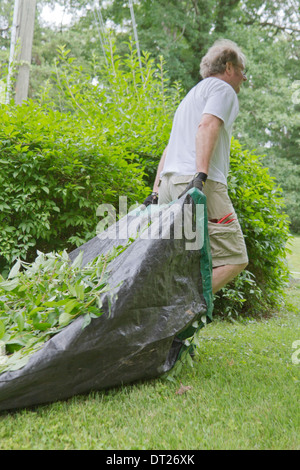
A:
{"points": [[159, 170], [206, 140], [153, 198]]}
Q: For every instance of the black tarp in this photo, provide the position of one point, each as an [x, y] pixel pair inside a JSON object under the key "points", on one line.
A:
{"points": [[158, 289]]}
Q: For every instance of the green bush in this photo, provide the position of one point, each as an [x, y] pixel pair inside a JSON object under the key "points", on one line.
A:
{"points": [[260, 208], [60, 160], [128, 105], [53, 177]]}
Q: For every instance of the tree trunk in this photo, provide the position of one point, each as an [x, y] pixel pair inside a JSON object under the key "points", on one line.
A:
{"points": [[25, 37]]}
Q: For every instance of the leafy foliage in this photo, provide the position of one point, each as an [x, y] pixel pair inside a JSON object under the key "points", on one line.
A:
{"points": [[59, 165], [130, 104], [38, 300], [52, 180]]}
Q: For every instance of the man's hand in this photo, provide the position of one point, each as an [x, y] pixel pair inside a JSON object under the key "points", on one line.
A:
{"points": [[152, 199], [197, 182]]}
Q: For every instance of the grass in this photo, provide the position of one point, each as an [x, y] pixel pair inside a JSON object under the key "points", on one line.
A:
{"points": [[294, 256], [242, 393]]}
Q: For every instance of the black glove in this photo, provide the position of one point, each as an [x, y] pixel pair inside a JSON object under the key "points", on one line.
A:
{"points": [[152, 199], [197, 182]]}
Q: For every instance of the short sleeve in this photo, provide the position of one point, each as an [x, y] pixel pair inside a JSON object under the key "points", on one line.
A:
{"points": [[222, 103]]}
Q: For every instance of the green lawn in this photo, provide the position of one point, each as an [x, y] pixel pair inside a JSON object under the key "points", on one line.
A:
{"points": [[294, 257], [243, 393]]}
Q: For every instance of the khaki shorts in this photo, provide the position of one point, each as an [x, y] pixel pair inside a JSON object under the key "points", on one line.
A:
{"points": [[226, 240]]}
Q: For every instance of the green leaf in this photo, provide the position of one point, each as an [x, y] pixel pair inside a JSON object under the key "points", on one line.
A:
{"points": [[79, 289], [2, 329], [54, 304], [18, 364], [77, 261], [20, 321], [35, 310], [27, 319], [42, 326], [64, 319], [14, 345], [71, 305], [15, 270], [23, 288], [86, 320], [9, 285]]}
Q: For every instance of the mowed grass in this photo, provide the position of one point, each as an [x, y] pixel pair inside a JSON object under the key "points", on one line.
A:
{"points": [[294, 256], [244, 394], [241, 393]]}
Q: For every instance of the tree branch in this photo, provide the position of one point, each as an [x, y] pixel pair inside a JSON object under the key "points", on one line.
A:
{"points": [[283, 28], [268, 23]]}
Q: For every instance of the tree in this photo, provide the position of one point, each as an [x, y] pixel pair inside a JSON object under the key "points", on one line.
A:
{"points": [[26, 17]]}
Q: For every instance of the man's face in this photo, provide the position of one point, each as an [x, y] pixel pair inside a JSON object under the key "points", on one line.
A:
{"points": [[236, 76]]}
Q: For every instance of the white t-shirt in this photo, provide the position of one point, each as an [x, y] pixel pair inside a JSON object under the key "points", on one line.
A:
{"points": [[210, 96]]}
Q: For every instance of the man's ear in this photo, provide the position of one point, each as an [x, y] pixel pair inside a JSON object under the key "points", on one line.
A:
{"points": [[229, 68]]}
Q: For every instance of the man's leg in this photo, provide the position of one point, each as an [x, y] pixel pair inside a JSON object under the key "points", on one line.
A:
{"points": [[224, 274], [229, 253]]}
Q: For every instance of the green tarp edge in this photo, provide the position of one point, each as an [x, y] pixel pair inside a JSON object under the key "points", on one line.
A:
{"points": [[205, 268]]}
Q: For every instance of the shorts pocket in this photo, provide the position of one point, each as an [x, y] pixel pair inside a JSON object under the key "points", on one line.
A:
{"points": [[226, 240], [182, 179], [178, 184]]}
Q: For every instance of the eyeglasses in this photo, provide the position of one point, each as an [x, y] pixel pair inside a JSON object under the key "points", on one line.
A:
{"points": [[244, 71]]}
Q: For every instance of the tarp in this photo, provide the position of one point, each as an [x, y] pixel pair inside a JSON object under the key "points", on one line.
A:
{"points": [[160, 288]]}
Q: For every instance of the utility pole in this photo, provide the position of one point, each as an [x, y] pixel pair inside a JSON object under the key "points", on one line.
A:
{"points": [[26, 17], [13, 40]]}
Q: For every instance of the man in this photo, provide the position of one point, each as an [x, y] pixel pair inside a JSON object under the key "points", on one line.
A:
{"points": [[198, 153]]}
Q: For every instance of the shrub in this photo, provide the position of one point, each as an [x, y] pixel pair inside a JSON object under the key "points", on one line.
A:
{"points": [[128, 105], [53, 177], [260, 208], [61, 160]]}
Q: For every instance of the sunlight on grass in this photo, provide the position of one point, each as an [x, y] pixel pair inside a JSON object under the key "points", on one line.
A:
{"points": [[241, 393], [294, 257]]}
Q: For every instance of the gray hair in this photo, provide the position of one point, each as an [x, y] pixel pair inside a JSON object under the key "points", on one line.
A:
{"points": [[221, 52]]}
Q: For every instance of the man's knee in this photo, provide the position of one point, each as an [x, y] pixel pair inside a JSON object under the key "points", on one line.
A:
{"points": [[241, 267], [244, 266]]}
